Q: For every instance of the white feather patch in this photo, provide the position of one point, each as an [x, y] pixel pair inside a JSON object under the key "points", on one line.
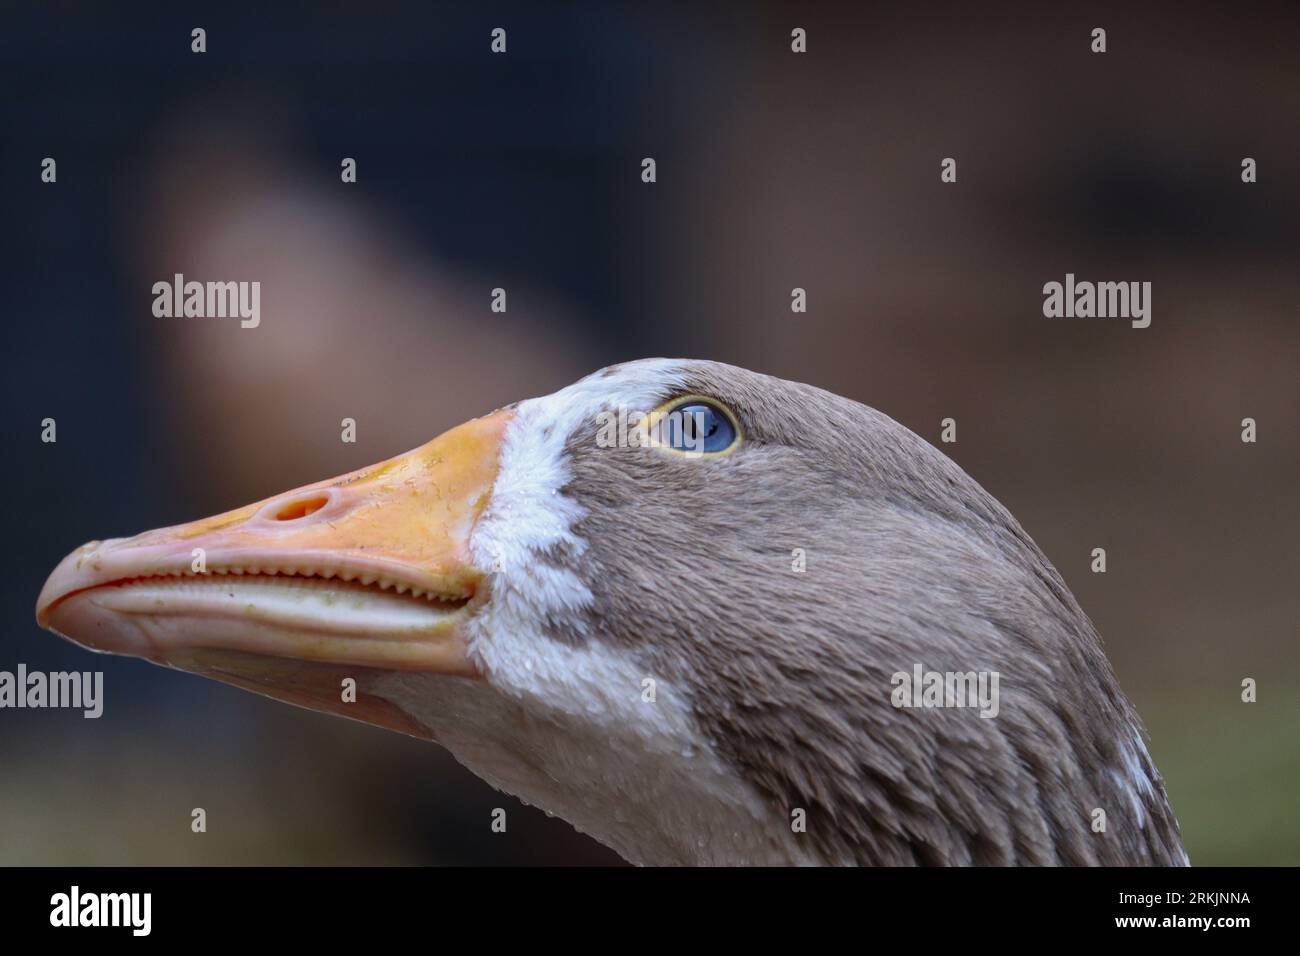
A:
{"points": [[564, 725]]}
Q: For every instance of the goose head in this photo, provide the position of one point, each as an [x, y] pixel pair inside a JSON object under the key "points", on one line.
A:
{"points": [[676, 604]]}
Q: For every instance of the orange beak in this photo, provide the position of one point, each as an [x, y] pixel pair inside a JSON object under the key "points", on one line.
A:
{"points": [[353, 577]]}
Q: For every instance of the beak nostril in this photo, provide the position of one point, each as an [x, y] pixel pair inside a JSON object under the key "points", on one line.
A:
{"points": [[300, 507]]}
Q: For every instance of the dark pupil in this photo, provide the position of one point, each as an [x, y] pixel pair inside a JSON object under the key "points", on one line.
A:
{"points": [[699, 428], [697, 418]]}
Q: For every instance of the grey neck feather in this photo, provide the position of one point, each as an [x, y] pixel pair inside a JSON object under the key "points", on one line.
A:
{"points": [[909, 562]]}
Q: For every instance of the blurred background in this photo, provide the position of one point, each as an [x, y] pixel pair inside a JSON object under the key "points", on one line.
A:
{"points": [[522, 171]]}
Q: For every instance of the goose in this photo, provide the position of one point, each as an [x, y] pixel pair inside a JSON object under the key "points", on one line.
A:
{"points": [[678, 604]]}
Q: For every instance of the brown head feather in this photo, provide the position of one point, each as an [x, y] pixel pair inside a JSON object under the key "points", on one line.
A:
{"points": [[909, 561]]}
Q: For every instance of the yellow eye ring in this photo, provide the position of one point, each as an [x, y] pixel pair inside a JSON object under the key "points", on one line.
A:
{"points": [[669, 430]]}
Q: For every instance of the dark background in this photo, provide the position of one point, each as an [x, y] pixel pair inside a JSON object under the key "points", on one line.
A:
{"points": [[775, 170]]}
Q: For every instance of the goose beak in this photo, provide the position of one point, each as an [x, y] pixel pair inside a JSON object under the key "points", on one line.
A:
{"points": [[363, 574]]}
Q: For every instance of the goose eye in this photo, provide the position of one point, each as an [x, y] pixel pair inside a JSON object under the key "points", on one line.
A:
{"points": [[698, 427]]}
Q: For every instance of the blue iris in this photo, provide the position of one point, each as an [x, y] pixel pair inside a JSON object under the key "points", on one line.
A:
{"points": [[698, 427]]}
